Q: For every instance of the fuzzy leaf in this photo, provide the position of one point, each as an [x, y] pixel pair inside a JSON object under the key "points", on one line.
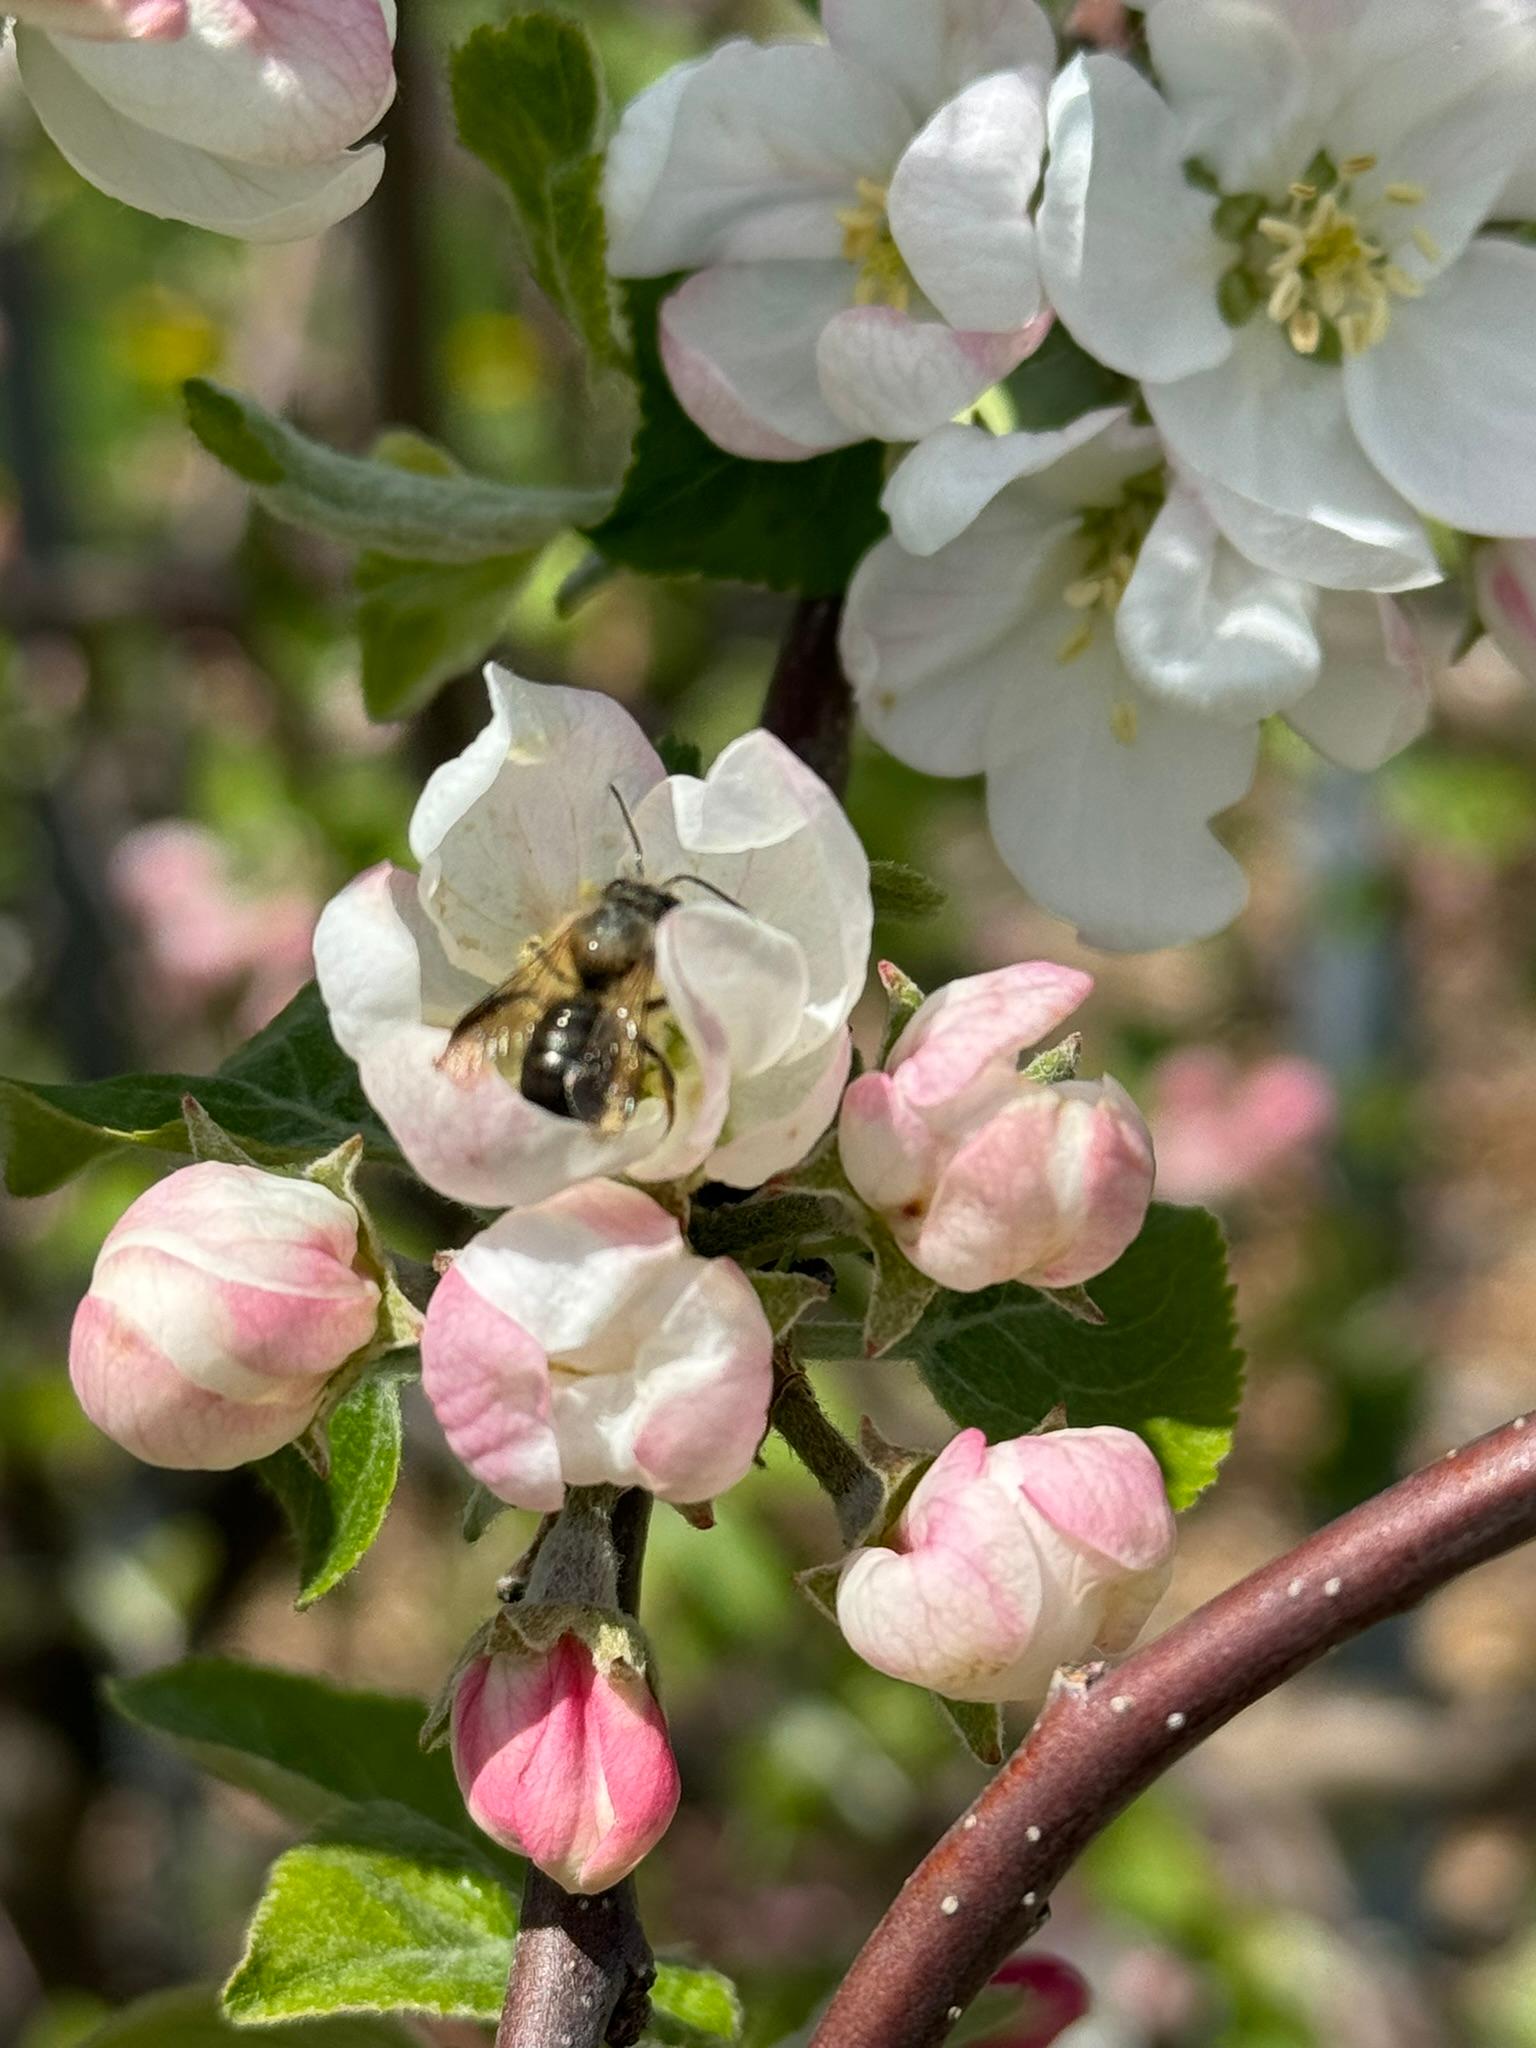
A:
{"points": [[688, 509], [1164, 1362], [691, 2005], [423, 515], [423, 623], [306, 1747], [289, 1094], [978, 1725], [336, 1519], [529, 103], [904, 892], [191, 2018]]}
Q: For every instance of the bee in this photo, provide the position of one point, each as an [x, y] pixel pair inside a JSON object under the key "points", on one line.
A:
{"points": [[576, 1011]]}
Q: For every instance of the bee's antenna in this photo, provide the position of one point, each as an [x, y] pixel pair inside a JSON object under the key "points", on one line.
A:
{"points": [[713, 888], [627, 816]]}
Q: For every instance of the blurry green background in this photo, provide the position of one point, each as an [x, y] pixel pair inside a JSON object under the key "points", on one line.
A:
{"points": [[1353, 1861]]}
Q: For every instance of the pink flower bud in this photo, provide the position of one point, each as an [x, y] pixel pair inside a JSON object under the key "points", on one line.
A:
{"points": [[222, 1301], [1055, 1998], [110, 20], [984, 1175], [564, 1763], [1011, 1560], [1505, 576], [582, 1342]]}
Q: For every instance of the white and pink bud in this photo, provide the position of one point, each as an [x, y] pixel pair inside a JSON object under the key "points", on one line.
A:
{"points": [[221, 1303], [983, 1174], [582, 1342], [1505, 579], [107, 20], [1011, 1560], [564, 1762]]}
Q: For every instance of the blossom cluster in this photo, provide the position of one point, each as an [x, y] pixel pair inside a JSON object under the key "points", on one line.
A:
{"points": [[1285, 234]]}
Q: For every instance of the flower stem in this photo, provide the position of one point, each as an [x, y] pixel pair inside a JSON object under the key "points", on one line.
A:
{"points": [[836, 1465], [809, 705]]}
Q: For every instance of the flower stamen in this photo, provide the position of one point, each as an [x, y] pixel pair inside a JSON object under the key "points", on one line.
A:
{"points": [[883, 278]]}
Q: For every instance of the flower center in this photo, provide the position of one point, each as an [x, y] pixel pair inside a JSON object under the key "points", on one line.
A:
{"points": [[1312, 262], [1111, 538], [883, 277]]}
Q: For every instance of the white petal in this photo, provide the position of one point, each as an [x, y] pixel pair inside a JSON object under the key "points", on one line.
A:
{"points": [[1373, 697], [929, 52], [952, 475], [1112, 832], [754, 979], [928, 642], [1200, 627], [288, 84], [111, 19], [770, 834], [1273, 428], [1126, 248], [895, 378], [1518, 199], [511, 833], [776, 1117], [1235, 74], [750, 154], [1462, 158], [1405, 61], [1446, 405], [256, 202], [1293, 546], [739, 343], [959, 204]]}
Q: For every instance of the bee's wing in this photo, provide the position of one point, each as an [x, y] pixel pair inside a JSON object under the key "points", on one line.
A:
{"points": [[487, 1033], [631, 1049]]}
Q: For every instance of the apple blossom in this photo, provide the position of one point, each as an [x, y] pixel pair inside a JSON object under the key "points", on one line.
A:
{"points": [[582, 1342], [1221, 1128], [1012, 1559], [564, 1763], [222, 1301], [1504, 576], [985, 1175], [857, 213], [235, 115], [1284, 245], [514, 837], [1062, 613]]}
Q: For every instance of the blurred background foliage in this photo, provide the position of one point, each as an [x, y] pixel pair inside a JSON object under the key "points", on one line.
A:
{"points": [[186, 773]]}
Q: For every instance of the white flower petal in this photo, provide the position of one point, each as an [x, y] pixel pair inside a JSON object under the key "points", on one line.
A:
{"points": [[953, 474], [1294, 546], [927, 642], [1446, 404], [1202, 629], [1126, 248], [1462, 158], [508, 837], [112, 19], [895, 378], [1273, 428], [750, 154], [770, 834], [1373, 697], [959, 204], [1112, 832], [929, 53], [256, 202], [1236, 76], [740, 342], [274, 82], [754, 979], [776, 1117], [1404, 62]]}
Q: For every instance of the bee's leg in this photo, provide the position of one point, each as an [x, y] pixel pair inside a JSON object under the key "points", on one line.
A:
{"points": [[668, 1079]]}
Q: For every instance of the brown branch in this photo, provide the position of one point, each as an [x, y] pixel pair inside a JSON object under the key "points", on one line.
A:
{"points": [[1105, 1736], [809, 703], [582, 1969]]}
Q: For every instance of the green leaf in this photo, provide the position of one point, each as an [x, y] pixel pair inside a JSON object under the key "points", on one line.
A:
{"points": [[1060, 382], [289, 1094], [423, 515], [1165, 1361], [904, 892], [384, 1913], [689, 509], [898, 1293], [528, 99], [785, 1297], [689, 2004], [335, 1520], [422, 623], [978, 1724], [306, 1747], [191, 2018]]}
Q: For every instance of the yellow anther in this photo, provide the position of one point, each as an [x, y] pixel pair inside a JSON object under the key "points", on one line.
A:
{"points": [[1285, 232], [1306, 331], [1122, 723], [883, 278], [1398, 281], [1076, 643], [1357, 166], [1426, 245], [1406, 195], [1302, 191], [1083, 595], [1286, 296]]}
